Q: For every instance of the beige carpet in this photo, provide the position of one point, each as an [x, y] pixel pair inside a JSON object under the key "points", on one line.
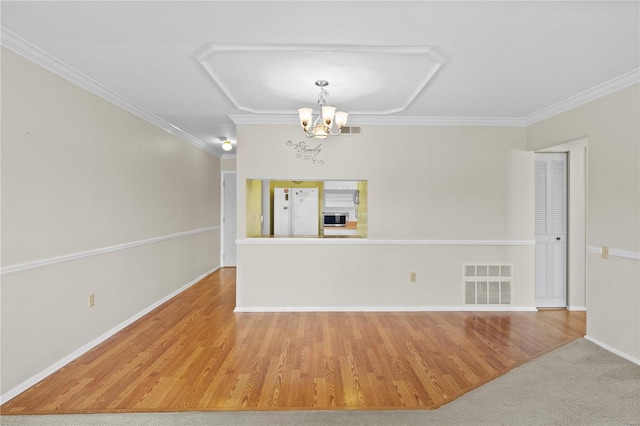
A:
{"points": [[577, 384]]}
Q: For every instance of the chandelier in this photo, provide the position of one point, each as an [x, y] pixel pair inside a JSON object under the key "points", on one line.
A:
{"points": [[329, 118]]}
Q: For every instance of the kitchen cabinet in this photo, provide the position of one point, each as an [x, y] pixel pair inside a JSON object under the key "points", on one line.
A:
{"points": [[340, 184]]}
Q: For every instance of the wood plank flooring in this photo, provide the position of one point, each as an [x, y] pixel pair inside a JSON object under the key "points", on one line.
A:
{"points": [[193, 353]]}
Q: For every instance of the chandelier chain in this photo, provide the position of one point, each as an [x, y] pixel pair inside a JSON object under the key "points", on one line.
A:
{"points": [[323, 96]]}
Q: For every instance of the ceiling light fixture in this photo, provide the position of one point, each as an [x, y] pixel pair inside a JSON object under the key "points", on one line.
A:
{"points": [[322, 126], [226, 143]]}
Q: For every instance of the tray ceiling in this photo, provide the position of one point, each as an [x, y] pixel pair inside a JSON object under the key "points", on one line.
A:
{"points": [[279, 79]]}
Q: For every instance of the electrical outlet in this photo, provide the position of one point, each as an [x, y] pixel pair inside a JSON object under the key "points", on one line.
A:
{"points": [[412, 277], [605, 252], [92, 300]]}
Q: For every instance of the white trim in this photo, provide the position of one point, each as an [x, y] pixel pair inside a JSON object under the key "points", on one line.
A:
{"points": [[589, 95], [577, 308], [623, 254], [95, 342], [204, 56], [364, 241], [465, 308], [613, 350], [45, 60], [212, 48], [379, 120], [604, 89], [372, 120], [21, 267]]}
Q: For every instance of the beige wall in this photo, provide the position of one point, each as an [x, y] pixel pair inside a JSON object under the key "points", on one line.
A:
{"points": [[80, 175], [428, 187], [611, 126], [228, 164]]}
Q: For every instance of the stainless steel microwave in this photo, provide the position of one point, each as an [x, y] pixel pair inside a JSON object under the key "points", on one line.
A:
{"points": [[334, 219]]}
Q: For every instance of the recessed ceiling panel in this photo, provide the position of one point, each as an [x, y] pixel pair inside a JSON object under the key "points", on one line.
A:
{"points": [[362, 79]]}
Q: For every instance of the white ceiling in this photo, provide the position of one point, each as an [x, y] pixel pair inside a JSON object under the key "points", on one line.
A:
{"points": [[190, 66]]}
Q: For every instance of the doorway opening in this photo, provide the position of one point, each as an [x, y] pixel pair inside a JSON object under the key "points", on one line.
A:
{"points": [[575, 153]]}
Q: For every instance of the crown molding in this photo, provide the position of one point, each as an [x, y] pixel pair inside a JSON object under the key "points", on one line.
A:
{"points": [[372, 120], [604, 89], [35, 54], [51, 63], [380, 120], [582, 98]]}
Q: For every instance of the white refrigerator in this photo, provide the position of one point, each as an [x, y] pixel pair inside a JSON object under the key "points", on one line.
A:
{"points": [[295, 212]]}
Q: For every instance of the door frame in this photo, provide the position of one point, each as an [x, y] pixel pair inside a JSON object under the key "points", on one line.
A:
{"points": [[577, 208]]}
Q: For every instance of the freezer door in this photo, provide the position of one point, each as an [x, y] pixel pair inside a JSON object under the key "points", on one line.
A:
{"points": [[305, 212], [282, 212]]}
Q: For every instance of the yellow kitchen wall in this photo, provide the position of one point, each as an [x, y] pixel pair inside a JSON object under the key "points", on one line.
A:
{"points": [[254, 207], [363, 213]]}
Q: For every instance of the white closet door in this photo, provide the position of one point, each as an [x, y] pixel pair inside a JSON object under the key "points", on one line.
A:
{"points": [[551, 230]]}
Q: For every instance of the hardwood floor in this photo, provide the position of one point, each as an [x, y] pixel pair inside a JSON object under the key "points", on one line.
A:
{"points": [[194, 353]]}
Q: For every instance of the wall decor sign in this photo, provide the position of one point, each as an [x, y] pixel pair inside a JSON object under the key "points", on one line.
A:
{"points": [[307, 152]]}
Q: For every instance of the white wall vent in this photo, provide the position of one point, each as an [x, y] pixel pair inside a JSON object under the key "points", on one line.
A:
{"points": [[487, 284], [351, 130]]}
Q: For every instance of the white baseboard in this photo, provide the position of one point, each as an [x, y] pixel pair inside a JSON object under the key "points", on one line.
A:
{"points": [[95, 342], [473, 308], [613, 350], [577, 308]]}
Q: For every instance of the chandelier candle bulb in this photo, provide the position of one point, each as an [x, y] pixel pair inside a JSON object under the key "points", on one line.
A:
{"points": [[305, 118], [341, 119], [328, 112]]}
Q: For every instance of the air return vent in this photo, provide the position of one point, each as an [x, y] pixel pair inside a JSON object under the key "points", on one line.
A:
{"points": [[351, 130], [487, 284]]}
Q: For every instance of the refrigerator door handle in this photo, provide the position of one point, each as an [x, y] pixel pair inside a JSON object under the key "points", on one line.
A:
{"points": [[356, 202]]}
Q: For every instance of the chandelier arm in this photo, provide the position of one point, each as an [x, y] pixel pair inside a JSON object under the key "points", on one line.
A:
{"points": [[334, 134], [317, 120]]}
